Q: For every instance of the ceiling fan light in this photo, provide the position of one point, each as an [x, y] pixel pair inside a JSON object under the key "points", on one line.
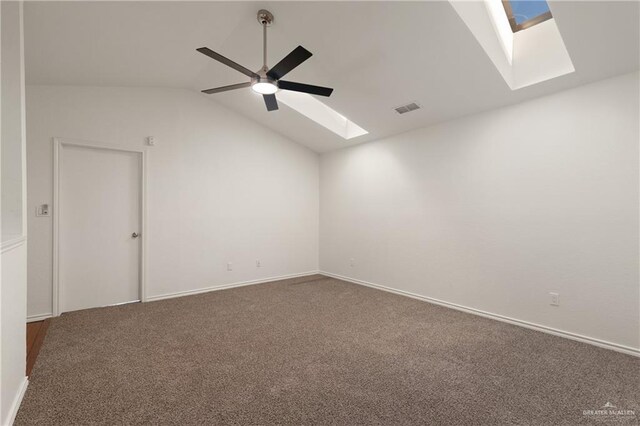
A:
{"points": [[264, 88]]}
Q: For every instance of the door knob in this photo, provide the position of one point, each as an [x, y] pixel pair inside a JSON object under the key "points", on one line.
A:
{"points": [[135, 235]]}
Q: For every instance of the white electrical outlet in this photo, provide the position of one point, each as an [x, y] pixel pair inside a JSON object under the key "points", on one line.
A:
{"points": [[151, 141], [258, 264], [555, 299], [353, 262], [229, 266]]}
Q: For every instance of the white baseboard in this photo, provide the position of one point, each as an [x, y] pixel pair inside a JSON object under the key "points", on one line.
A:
{"points": [[39, 317], [549, 330], [15, 405], [227, 286]]}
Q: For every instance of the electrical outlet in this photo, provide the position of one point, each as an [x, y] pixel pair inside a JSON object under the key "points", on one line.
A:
{"points": [[229, 266], [258, 264], [555, 299], [353, 262]]}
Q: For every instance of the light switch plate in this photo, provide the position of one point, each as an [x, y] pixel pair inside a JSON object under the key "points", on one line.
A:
{"points": [[42, 210]]}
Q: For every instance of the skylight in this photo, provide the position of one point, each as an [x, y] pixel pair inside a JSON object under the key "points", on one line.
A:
{"points": [[523, 14], [322, 114], [523, 58]]}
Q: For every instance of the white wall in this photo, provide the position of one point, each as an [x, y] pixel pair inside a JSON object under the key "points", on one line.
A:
{"points": [[13, 331], [496, 210], [220, 187], [13, 257], [11, 129]]}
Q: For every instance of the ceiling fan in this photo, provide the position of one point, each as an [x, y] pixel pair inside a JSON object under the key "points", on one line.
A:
{"points": [[267, 81]]}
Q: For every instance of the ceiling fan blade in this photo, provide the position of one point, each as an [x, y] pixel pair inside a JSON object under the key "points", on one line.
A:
{"points": [[227, 88], [228, 62], [292, 60], [271, 102], [306, 88]]}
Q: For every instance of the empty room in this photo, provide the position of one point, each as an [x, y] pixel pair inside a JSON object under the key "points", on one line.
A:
{"points": [[340, 212]]}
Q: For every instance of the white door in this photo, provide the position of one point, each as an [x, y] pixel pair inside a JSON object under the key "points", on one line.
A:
{"points": [[99, 217]]}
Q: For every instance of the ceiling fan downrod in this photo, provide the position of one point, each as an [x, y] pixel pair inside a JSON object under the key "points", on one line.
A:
{"points": [[266, 19]]}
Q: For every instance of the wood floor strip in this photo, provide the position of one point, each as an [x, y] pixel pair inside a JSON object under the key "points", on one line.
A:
{"points": [[32, 331], [32, 353]]}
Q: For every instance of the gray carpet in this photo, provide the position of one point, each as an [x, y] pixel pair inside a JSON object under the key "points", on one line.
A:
{"points": [[315, 350]]}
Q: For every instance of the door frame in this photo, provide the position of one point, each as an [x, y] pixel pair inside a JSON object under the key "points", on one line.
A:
{"points": [[58, 144]]}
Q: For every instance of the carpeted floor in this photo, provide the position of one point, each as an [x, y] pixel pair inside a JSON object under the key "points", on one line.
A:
{"points": [[316, 350]]}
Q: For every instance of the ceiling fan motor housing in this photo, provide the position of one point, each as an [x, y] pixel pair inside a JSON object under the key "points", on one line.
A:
{"points": [[263, 77]]}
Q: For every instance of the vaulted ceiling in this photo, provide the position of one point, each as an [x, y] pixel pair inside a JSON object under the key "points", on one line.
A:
{"points": [[376, 55]]}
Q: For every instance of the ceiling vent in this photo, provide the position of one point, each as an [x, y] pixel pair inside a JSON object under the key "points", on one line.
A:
{"points": [[407, 108]]}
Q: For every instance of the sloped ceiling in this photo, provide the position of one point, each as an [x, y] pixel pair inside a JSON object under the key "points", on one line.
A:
{"points": [[376, 55]]}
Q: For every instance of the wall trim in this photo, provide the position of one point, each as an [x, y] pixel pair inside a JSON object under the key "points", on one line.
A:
{"points": [[228, 286], [526, 324], [15, 405], [38, 317], [13, 243]]}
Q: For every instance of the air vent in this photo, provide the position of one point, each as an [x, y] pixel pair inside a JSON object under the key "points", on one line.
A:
{"points": [[407, 108]]}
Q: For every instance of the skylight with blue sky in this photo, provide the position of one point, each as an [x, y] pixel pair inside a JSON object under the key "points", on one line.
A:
{"points": [[523, 10], [523, 14]]}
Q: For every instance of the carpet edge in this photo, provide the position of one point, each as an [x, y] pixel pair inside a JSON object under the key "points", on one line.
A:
{"points": [[228, 286], [628, 350]]}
